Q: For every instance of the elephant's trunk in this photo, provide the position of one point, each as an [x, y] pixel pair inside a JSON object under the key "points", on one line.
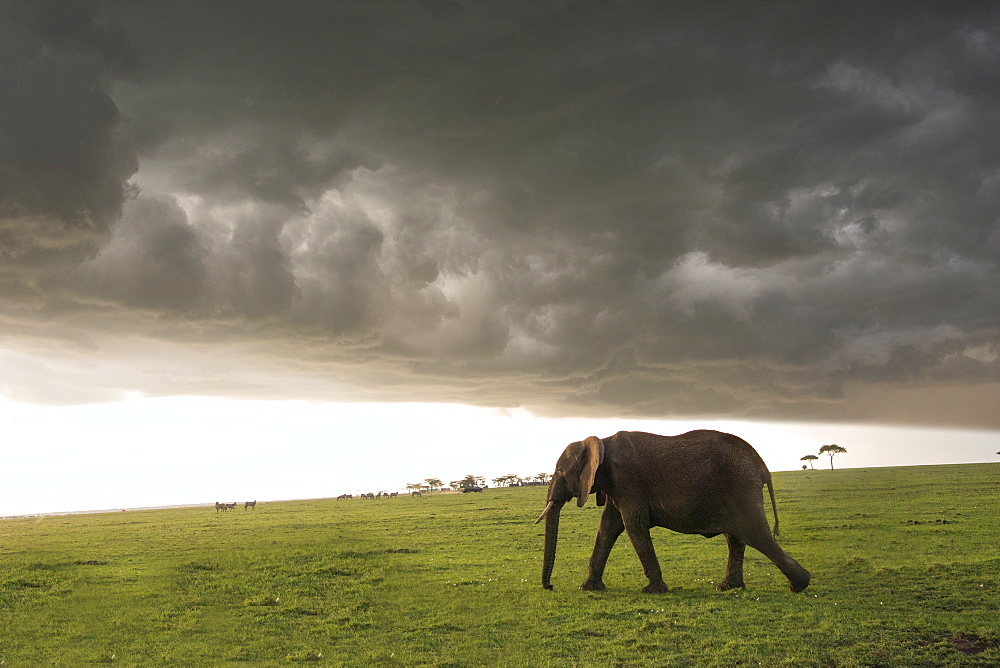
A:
{"points": [[551, 534]]}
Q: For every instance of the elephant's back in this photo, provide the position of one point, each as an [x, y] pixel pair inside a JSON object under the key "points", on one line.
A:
{"points": [[702, 452]]}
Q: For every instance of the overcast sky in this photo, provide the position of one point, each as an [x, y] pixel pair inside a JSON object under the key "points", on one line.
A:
{"points": [[767, 211]]}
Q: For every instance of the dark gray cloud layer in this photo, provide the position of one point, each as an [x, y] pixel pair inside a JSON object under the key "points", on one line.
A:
{"points": [[763, 209]]}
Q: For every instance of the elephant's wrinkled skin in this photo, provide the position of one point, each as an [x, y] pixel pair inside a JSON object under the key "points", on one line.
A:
{"points": [[704, 482]]}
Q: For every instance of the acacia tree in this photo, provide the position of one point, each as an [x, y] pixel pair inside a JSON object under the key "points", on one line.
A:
{"points": [[468, 481], [508, 480], [433, 483], [810, 459], [831, 450]]}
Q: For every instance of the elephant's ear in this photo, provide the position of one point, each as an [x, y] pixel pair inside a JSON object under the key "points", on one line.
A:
{"points": [[592, 456]]}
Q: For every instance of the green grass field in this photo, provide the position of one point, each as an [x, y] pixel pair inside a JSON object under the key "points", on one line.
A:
{"points": [[905, 565]]}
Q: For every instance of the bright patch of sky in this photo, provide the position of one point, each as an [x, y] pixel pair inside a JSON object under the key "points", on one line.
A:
{"points": [[176, 451]]}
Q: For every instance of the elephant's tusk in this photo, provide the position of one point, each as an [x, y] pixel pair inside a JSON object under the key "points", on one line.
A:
{"points": [[544, 513]]}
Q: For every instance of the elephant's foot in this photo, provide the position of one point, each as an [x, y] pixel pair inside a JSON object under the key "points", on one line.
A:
{"points": [[800, 582], [728, 584], [655, 588], [593, 585]]}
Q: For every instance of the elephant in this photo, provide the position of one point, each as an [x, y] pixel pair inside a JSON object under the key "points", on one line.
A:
{"points": [[702, 482]]}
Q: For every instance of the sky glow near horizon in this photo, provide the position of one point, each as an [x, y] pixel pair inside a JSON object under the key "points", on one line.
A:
{"points": [[293, 249], [190, 450]]}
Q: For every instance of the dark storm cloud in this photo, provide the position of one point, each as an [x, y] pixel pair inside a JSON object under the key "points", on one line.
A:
{"points": [[771, 210], [63, 163]]}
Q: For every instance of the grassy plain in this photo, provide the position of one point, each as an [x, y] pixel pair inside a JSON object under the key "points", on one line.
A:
{"points": [[905, 565]]}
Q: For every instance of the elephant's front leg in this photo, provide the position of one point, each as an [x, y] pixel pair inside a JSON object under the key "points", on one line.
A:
{"points": [[638, 533], [607, 533], [734, 567]]}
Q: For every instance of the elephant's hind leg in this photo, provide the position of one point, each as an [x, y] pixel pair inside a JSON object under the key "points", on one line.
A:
{"points": [[798, 577], [734, 567]]}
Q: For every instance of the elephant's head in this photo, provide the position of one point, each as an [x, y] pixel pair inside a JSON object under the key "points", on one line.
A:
{"points": [[574, 476]]}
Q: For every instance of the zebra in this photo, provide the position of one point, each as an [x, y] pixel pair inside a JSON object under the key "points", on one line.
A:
{"points": [[252, 505], [416, 494]]}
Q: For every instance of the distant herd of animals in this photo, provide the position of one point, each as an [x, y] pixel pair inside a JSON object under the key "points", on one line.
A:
{"points": [[247, 505], [372, 496], [252, 505]]}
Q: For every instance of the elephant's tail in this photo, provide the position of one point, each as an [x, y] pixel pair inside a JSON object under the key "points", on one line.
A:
{"points": [[774, 505]]}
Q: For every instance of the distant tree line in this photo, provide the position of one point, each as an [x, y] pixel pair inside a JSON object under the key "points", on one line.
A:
{"points": [[469, 481], [512, 480]]}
